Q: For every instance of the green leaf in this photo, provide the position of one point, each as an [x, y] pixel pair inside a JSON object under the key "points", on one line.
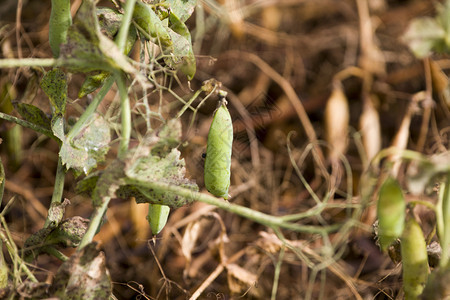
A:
{"points": [[33, 114], [149, 21], [423, 35], [182, 46], [182, 55], [89, 147], [422, 172], [183, 9], [54, 84]]}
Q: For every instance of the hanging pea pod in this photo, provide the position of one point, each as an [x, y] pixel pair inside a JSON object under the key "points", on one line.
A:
{"points": [[414, 259], [391, 212], [60, 20], [218, 153], [157, 217]]}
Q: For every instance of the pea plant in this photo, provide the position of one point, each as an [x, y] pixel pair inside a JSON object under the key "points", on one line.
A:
{"points": [[425, 259], [96, 43]]}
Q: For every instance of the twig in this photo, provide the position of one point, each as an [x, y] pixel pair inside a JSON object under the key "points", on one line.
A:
{"points": [[125, 114], [27, 124], [290, 93]]}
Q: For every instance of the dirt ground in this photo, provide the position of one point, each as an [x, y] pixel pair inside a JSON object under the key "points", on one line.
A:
{"points": [[280, 62]]}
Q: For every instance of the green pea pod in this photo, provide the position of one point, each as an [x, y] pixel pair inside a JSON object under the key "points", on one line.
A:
{"points": [[94, 81], [218, 153], [149, 21], [60, 20], [157, 217], [391, 212], [414, 259]]}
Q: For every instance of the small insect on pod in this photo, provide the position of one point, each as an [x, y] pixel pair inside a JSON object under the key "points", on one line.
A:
{"points": [[218, 151]]}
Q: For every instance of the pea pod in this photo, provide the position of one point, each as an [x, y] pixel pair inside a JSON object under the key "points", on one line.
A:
{"points": [[218, 153], [414, 259], [391, 212], [60, 20], [157, 217]]}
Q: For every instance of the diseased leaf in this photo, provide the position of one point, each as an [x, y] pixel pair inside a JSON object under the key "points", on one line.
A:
{"points": [[88, 183], [87, 49], [166, 138], [109, 20], [54, 84], [89, 147], [149, 169], [33, 114], [83, 276], [157, 161]]}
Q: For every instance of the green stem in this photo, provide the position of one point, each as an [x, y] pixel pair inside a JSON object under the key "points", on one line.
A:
{"points": [[27, 62], [125, 26], [90, 110], [424, 203], [125, 114], [259, 217], [58, 188], [443, 221], [276, 277], [12, 250], [94, 224], [56, 253], [3, 179], [28, 125]]}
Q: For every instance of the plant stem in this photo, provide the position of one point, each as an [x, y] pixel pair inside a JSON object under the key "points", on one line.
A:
{"points": [[90, 110], [125, 114], [12, 250], [28, 125], [94, 224], [56, 253], [125, 26], [28, 62], [3, 179], [58, 188], [259, 217]]}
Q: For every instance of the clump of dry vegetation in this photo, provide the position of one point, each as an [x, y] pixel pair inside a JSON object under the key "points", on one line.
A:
{"points": [[329, 103]]}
